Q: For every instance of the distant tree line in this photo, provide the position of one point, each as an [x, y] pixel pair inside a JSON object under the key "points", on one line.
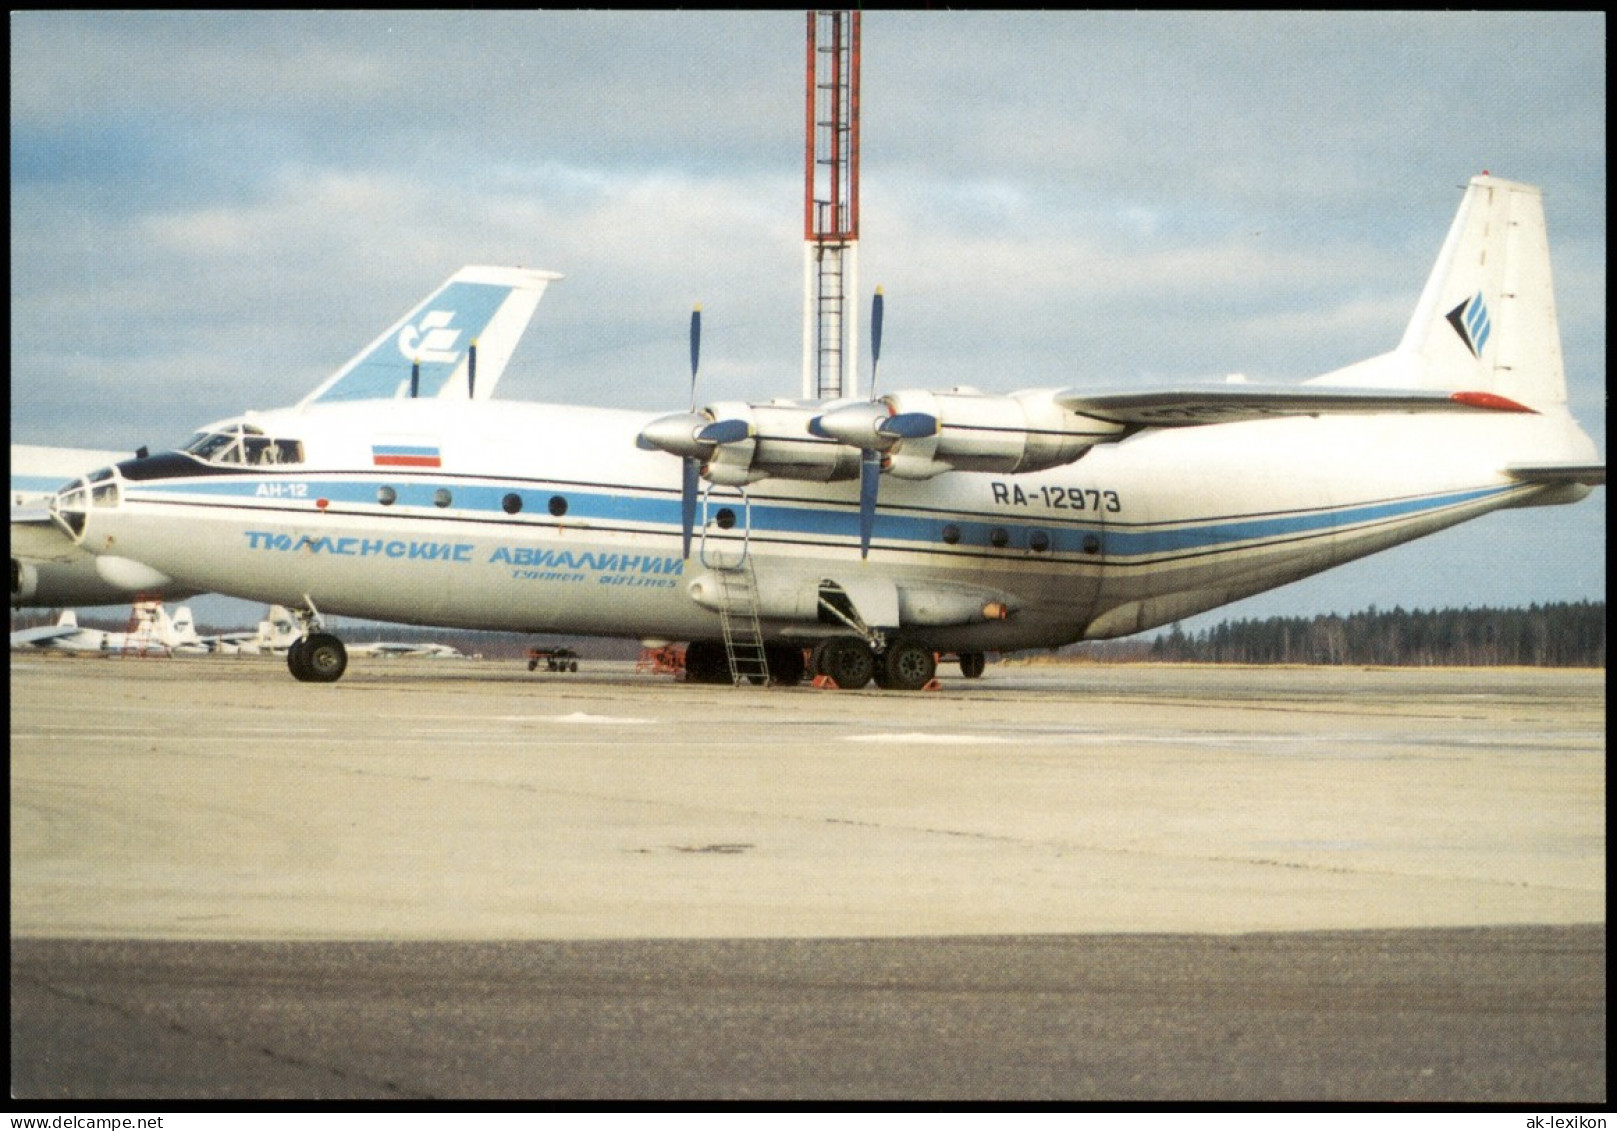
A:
{"points": [[1566, 635]]}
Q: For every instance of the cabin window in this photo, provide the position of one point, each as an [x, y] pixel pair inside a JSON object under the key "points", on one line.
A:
{"points": [[951, 534], [1038, 541], [726, 518], [558, 505], [387, 496], [511, 503], [442, 498], [262, 451], [244, 445], [999, 537], [1091, 543]]}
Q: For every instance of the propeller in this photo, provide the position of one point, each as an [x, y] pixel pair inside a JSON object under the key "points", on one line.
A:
{"points": [[690, 466], [870, 458], [874, 429], [692, 436]]}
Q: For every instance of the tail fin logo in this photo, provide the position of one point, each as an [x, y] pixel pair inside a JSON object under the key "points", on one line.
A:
{"points": [[1470, 320], [433, 339]]}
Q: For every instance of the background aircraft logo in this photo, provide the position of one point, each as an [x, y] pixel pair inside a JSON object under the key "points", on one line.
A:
{"points": [[1470, 320], [433, 339]]}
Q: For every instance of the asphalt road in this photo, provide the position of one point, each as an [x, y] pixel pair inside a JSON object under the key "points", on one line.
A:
{"points": [[1503, 1015]]}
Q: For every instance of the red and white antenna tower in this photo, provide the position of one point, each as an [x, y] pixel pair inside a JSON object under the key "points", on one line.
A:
{"points": [[831, 208]]}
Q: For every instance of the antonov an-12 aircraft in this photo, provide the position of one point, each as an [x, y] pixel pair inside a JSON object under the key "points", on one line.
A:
{"points": [[876, 533]]}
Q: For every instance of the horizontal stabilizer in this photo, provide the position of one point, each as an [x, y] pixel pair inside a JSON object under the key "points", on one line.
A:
{"points": [[1588, 474], [1234, 403]]}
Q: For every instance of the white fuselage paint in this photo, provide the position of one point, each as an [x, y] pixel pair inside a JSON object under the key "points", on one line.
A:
{"points": [[1133, 535]]}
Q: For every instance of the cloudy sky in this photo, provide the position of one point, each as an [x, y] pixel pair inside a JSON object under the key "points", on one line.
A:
{"points": [[212, 212]]}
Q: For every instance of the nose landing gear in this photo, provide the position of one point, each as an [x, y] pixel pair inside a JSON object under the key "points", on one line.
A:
{"points": [[318, 658]]}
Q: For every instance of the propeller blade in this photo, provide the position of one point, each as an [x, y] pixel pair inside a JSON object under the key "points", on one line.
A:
{"points": [[875, 338], [691, 483], [869, 486], [696, 349], [725, 432], [909, 425]]}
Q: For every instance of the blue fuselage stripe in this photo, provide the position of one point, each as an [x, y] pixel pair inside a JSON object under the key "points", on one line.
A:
{"points": [[804, 520]]}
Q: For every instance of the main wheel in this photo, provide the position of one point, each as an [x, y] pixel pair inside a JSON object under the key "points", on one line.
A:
{"points": [[816, 659], [972, 664], [906, 666], [785, 663], [324, 658], [849, 663], [705, 662], [295, 659]]}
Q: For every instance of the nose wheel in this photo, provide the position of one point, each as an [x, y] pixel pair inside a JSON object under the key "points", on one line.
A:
{"points": [[317, 658]]}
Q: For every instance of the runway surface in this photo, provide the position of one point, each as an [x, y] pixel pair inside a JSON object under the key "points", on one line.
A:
{"points": [[460, 879]]}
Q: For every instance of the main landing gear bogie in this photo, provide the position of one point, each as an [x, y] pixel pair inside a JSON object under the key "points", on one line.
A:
{"points": [[317, 658], [849, 663], [905, 665]]}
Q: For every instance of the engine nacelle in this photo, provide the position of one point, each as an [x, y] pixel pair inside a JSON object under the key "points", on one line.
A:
{"points": [[1026, 431], [24, 582], [778, 445]]}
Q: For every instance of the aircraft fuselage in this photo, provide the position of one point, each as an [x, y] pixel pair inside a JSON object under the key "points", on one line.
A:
{"points": [[549, 518]]}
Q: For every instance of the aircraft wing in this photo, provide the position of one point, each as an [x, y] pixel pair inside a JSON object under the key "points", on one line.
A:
{"points": [[43, 635], [1228, 404], [35, 537], [1588, 474]]}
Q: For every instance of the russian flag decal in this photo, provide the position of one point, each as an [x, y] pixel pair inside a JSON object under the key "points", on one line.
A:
{"points": [[405, 455]]}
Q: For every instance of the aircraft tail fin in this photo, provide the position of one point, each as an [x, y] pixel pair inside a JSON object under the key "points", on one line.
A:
{"points": [[490, 306], [1486, 318], [278, 630], [181, 628]]}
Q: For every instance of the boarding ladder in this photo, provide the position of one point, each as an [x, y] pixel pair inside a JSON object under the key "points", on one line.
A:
{"points": [[738, 600]]}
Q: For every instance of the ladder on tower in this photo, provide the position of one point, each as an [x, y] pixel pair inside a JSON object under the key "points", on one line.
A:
{"points": [[829, 303]]}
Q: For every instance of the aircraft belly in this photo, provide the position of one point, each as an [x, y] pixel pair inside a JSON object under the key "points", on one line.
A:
{"points": [[1224, 528]]}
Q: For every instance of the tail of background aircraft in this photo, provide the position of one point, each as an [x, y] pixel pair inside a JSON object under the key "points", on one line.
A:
{"points": [[490, 306], [278, 631], [181, 629], [1486, 319]]}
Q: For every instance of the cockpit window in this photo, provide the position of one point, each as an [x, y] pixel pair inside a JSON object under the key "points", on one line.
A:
{"points": [[244, 444]]}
